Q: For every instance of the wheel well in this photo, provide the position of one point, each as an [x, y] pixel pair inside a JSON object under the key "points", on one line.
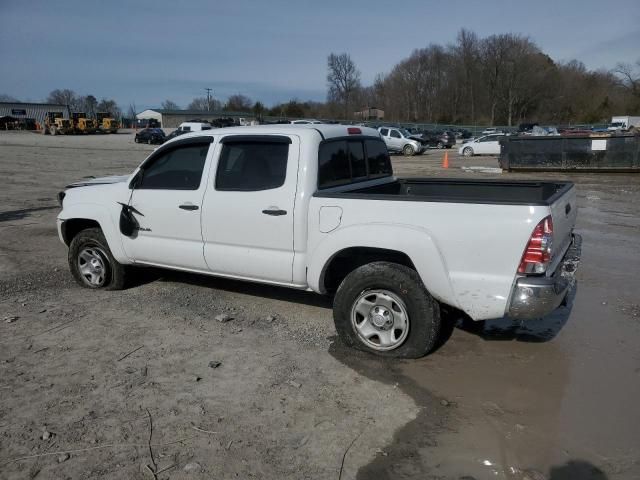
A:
{"points": [[347, 260], [71, 228]]}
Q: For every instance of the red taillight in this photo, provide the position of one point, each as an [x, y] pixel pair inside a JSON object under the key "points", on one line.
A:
{"points": [[354, 131], [537, 255]]}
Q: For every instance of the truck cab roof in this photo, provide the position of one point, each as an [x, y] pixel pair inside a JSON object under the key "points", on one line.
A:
{"points": [[322, 131]]}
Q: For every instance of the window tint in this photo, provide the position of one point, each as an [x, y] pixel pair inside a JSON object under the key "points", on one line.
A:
{"points": [[177, 169], [384, 132], [356, 158], [395, 134], [252, 166], [344, 161], [378, 158], [333, 164]]}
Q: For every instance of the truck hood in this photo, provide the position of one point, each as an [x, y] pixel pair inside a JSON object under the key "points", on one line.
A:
{"points": [[86, 182]]}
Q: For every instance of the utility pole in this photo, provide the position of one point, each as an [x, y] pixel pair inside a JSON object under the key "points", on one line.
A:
{"points": [[208, 99]]}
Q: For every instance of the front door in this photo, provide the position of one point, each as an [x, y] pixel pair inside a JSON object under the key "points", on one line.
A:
{"points": [[247, 214], [395, 140], [167, 203]]}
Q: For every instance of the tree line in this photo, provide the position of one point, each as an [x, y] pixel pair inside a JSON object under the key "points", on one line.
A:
{"points": [[501, 79]]}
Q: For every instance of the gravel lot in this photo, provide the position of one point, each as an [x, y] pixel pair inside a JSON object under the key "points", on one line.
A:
{"points": [[119, 385]]}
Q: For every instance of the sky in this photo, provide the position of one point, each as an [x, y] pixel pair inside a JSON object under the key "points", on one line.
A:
{"points": [[148, 51]]}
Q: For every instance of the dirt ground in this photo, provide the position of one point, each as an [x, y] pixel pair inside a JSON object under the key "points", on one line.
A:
{"points": [[117, 385]]}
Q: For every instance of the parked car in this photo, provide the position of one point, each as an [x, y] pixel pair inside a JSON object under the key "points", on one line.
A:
{"points": [[462, 133], [486, 145], [319, 209], [399, 140], [436, 138], [176, 133], [150, 136], [490, 131]]}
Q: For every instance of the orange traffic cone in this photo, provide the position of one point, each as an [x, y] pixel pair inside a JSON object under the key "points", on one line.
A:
{"points": [[445, 161]]}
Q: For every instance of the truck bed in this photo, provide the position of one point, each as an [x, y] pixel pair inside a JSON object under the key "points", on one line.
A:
{"points": [[456, 191]]}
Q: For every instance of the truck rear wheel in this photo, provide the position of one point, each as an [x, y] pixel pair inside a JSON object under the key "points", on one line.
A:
{"points": [[384, 308], [92, 264]]}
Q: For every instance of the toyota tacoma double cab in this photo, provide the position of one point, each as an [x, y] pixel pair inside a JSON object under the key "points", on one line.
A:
{"points": [[317, 207]]}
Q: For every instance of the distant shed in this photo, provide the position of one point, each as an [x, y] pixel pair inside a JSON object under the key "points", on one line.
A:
{"points": [[37, 111]]}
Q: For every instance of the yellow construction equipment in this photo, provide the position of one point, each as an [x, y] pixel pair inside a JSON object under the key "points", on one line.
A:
{"points": [[106, 123], [82, 124], [54, 124]]}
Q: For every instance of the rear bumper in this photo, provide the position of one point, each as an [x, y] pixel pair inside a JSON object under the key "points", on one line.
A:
{"points": [[535, 297]]}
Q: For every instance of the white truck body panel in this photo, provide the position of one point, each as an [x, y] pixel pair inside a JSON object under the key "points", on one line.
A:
{"points": [[466, 253]]}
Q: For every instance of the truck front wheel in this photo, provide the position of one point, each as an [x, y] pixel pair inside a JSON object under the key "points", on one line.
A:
{"points": [[384, 308], [91, 262]]}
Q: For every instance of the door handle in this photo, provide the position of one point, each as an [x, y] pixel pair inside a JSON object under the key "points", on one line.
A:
{"points": [[276, 212], [189, 206]]}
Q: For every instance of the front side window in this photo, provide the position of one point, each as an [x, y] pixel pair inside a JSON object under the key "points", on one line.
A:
{"points": [[384, 132], [395, 134], [178, 169], [252, 166]]}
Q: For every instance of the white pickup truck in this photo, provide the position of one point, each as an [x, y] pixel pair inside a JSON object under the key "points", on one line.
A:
{"points": [[316, 207]]}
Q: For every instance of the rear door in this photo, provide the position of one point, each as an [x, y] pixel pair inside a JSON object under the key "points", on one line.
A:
{"points": [[247, 216], [167, 203]]}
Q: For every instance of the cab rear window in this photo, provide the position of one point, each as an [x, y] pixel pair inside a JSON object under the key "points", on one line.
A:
{"points": [[345, 161]]}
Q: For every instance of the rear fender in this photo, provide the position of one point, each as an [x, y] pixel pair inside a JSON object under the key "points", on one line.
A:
{"points": [[414, 242]]}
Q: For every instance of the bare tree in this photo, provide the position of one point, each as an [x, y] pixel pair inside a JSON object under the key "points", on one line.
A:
{"points": [[343, 79], [202, 104], [110, 107], [132, 111], [63, 97], [87, 104], [238, 103], [629, 76], [169, 105]]}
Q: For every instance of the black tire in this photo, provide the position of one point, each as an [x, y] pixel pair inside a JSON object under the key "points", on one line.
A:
{"points": [[408, 151], [135, 139], [93, 239], [439, 145], [423, 311]]}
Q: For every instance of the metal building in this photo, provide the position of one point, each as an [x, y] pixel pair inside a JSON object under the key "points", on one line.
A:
{"points": [[173, 118], [36, 111]]}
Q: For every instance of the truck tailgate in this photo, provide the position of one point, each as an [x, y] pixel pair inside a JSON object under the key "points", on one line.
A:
{"points": [[563, 212]]}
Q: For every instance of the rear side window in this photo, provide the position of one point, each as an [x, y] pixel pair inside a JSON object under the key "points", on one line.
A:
{"points": [[384, 132], [378, 161], [341, 162], [252, 166], [177, 169]]}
